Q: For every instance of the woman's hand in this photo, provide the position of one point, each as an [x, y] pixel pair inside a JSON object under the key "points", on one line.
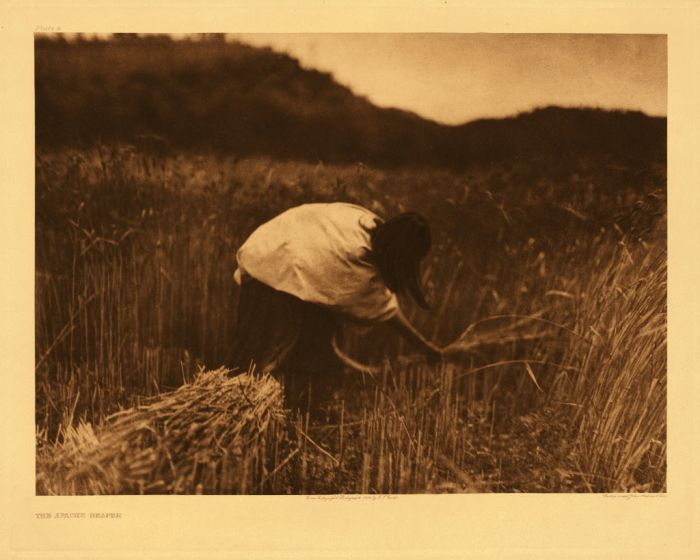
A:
{"points": [[433, 353]]}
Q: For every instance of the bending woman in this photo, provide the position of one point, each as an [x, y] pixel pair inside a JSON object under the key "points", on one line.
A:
{"points": [[309, 268]]}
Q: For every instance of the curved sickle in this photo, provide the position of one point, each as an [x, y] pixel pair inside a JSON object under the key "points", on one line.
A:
{"points": [[348, 361]]}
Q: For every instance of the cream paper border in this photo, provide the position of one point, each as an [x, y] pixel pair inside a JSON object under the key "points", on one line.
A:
{"points": [[422, 526]]}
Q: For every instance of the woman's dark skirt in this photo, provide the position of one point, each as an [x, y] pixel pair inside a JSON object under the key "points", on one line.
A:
{"points": [[291, 338]]}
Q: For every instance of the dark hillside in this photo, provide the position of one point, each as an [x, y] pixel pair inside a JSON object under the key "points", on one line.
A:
{"points": [[562, 132], [234, 98]]}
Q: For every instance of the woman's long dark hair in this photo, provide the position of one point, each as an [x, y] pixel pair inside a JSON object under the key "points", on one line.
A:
{"points": [[398, 247]]}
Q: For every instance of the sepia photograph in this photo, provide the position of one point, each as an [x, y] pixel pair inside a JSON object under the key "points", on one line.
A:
{"points": [[350, 263]]}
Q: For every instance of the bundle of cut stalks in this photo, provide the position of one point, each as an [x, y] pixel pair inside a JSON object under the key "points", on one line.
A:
{"points": [[219, 434]]}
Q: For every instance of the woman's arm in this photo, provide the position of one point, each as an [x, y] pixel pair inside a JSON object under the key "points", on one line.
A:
{"points": [[400, 324]]}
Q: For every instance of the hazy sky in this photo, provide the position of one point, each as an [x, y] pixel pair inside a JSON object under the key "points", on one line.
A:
{"points": [[455, 78]]}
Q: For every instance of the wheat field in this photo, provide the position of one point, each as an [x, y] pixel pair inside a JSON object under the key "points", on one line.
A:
{"points": [[547, 281]]}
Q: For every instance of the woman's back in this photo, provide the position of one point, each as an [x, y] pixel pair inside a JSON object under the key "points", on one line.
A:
{"points": [[319, 253]]}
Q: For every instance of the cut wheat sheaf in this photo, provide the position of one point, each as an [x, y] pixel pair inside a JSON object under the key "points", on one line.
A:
{"points": [[209, 436]]}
